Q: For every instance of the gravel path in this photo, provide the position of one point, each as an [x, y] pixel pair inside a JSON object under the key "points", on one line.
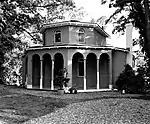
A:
{"points": [[125, 111]]}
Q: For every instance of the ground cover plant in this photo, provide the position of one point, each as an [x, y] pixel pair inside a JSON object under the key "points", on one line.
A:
{"points": [[18, 105]]}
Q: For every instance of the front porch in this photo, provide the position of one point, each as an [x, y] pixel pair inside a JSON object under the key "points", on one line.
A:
{"points": [[88, 71]]}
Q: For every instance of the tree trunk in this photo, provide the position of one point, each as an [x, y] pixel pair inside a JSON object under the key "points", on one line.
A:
{"points": [[147, 22]]}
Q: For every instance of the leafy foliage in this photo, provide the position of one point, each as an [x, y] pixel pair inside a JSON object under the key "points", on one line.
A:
{"points": [[20, 22], [127, 73], [61, 78], [77, 13], [134, 11], [130, 82], [138, 13]]}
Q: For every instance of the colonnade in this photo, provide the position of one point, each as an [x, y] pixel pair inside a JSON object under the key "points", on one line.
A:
{"points": [[31, 73]]}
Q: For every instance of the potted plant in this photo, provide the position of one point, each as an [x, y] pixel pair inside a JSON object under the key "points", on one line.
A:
{"points": [[61, 80]]}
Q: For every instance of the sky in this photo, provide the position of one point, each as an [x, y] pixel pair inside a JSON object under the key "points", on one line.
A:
{"points": [[96, 10]]}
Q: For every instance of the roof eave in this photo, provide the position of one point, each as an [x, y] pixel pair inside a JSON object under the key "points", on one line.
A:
{"points": [[97, 27], [94, 25], [79, 47]]}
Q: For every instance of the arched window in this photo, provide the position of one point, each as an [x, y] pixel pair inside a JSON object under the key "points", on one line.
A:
{"points": [[57, 37], [81, 35]]}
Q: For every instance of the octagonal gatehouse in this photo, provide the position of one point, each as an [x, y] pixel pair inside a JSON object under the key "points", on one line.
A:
{"points": [[81, 48]]}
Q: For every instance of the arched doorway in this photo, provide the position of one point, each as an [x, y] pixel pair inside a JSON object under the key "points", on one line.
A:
{"points": [[104, 71], [58, 63], [91, 71], [47, 66], [36, 71], [78, 71]]}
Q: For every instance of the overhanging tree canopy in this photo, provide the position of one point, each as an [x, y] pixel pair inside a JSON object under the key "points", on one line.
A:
{"points": [[138, 13], [24, 16]]}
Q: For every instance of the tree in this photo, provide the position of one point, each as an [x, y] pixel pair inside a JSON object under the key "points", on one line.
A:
{"points": [[101, 21], [18, 18], [76, 14], [138, 13]]}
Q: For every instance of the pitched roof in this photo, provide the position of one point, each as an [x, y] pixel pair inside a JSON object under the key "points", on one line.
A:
{"points": [[74, 23]]}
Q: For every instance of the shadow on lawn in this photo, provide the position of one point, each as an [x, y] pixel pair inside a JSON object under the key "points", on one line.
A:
{"points": [[141, 97], [125, 96], [18, 109]]}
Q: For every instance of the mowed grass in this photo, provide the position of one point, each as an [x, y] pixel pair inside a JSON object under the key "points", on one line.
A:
{"points": [[19, 105]]}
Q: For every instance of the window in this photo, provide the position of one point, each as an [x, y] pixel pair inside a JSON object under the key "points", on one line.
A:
{"points": [[81, 34], [80, 67], [57, 37]]}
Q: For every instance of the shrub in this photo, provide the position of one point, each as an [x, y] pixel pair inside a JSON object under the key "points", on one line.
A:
{"points": [[61, 79], [130, 82], [121, 82]]}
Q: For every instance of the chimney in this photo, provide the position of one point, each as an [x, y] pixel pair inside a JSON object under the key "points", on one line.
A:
{"points": [[129, 43]]}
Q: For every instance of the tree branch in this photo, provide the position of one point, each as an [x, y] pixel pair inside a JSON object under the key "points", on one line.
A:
{"points": [[116, 12], [33, 38]]}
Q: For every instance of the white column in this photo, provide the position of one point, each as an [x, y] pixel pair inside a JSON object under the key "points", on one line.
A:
{"points": [[84, 74], [69, 68], [110, 72], [29, 80], [52, 76], [41, 76], [97, 74]]}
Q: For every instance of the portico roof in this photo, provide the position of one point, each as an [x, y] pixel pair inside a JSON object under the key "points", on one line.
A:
{"points": [[74, 23], [73, 46]]}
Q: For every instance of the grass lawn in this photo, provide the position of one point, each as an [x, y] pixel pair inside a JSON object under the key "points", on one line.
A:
{"points": [[29, 106]]}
